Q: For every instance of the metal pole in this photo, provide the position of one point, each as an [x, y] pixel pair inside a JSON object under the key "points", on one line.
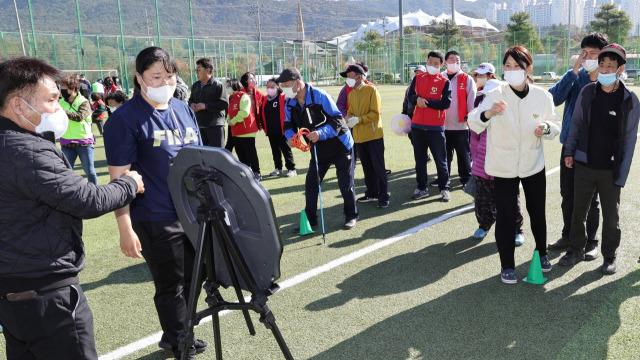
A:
{"points": [[119, 52], [401, 31], [233, 49], [173, 54], [99, 54], [84, 65], [55, 51], [638, 52], [158, 25], [75, 38], [568, 55], [124, 50], [246, 45], [259, 23], [192, 53], [33, 31], [4, 45], [190, 46], [273, 59], [453, 12], [29, 42], [24, 52]]}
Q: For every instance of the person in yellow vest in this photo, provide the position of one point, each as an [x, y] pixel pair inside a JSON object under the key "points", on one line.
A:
{"points": [[78, 140], [364, 119]]}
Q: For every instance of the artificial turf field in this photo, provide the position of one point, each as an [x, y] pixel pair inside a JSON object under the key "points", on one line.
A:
{"points": [[432, 293]]}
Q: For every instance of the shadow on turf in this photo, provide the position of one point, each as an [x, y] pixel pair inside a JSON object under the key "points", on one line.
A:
{"points": [[406, 272], [483, 320], [134, 274]]}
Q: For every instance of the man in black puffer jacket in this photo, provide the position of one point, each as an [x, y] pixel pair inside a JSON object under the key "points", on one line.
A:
{"points": [[43, 310]]}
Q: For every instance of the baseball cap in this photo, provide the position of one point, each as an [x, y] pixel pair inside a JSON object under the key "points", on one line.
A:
{"points": [[490, 85], [486, 68], [616, 49], [353, 67], [420, 68], [289, 74]]}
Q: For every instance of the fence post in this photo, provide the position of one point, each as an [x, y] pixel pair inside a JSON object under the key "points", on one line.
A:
{"points": [[99, 54], [29, 42], [273, 59], [75, 37], [33, 31], [120, 52], [4, 46], [55, 51], [246, 45], [235, 67], [173, 54], [191, 47]]}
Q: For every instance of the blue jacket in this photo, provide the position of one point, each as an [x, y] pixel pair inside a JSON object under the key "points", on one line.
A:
{"points": [[566, 91], [578, 140], [321, 114]]}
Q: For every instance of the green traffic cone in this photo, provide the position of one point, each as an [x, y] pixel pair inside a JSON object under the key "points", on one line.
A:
{"points": [[305, 227], [535, 271]]}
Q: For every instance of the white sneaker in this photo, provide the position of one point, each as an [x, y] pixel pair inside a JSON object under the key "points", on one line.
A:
{"points": [[292, 173], [275, 172], [445, 195]]}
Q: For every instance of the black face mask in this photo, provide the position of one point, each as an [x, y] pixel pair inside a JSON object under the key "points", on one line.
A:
{"points": [[65, 94]]}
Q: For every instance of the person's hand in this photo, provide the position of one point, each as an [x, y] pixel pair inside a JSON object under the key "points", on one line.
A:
{"points": [[498, 107], [579, 62], [137, 178], [193, 107], [422, 103], [568, 162], [353, 121], [313, 136], [541, 129], [201, 106], [130, 244]]}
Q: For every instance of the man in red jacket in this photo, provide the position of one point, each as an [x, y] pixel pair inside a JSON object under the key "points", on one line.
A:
{"points": [[430, 94]]}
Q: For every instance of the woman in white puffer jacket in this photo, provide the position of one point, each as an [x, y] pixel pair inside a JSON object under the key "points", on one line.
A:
{"points": [[517, 116]]}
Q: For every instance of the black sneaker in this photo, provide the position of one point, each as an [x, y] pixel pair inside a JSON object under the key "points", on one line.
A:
{"points": [[571, 258], [366, 199], [383, 204], [434, 183], [591, 250], [387, 171], [609, 267], [561, 244], [200, 345]]}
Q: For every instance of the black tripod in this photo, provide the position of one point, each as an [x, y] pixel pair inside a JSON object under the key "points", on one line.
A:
{"points": [[215, 229]]}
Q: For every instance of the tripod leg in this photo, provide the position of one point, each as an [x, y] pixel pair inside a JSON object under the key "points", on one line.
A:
{"points": [[186, 339], [224, 246], [216, 335], [269, 322]]}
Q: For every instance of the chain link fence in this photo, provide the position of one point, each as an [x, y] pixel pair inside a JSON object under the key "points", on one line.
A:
{"points": [[319, 62]]}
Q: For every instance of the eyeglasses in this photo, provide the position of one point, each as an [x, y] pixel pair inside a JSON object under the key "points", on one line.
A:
{"points": [[199, 69]]}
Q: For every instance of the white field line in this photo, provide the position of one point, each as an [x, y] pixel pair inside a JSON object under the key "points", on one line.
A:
{"points": [[300, 278]]}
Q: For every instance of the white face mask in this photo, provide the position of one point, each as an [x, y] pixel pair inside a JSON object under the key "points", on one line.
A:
{"points": [[272, 92], [432, 70], [230, 91], [161, 94], [515, 78], [351, 82], [288, 92], [482, 82], [56, 122], [112, 108], [453, 68], [590, 65]]}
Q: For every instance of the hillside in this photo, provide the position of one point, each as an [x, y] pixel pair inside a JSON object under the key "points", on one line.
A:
{"points": [[323, 19]]}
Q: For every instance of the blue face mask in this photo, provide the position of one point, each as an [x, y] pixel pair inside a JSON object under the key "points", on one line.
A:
{"points": [[607, 79]]}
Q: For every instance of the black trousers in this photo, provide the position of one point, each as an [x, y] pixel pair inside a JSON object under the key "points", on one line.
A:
{"points": [[230, 144], [56, 324], [459, 141], [213, 135], [534, 187], [170, 256], [345, 166], [375, 173], [247, 153], [280, 148], [567, 191], [587, 183]]}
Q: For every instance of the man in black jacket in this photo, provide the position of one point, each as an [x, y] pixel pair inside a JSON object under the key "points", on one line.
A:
{"points": [[209, 101], [43, 310]]}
